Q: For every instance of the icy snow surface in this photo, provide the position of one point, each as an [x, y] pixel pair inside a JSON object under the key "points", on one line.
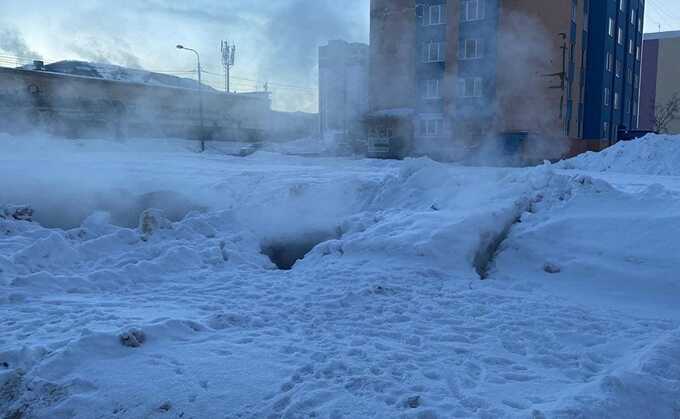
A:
{"points": [[651, 155], [140, 289]]}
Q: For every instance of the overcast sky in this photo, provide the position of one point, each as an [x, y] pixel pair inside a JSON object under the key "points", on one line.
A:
{"points": [[277, 39]]}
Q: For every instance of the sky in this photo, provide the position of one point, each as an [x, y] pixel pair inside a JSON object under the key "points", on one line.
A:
{"points": [[662, 15], [277, 40]]}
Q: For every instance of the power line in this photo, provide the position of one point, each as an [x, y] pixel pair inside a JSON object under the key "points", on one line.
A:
{"points": [[665, 16], [666, 9], [282, 85]]}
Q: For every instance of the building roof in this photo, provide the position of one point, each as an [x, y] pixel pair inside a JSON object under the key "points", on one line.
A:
{"points": [[117, 73], [661, 35]]}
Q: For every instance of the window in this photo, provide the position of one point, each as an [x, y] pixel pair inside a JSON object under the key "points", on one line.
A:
{"points": [[610, 62], [632, 17], [573, 12], [622, 5], [435, 15], [471, 10], [630, 47], [619, 69], [471, 49], [431, 126], [637, 53], [470, 87], [433, 52], [610, 29], [617, 101], [606, 129], [606, 96], [620, 36], [431, 89]]}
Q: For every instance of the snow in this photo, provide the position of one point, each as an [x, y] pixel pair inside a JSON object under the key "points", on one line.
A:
{"points": [[118, 73], [651, 155], [140, 287]]}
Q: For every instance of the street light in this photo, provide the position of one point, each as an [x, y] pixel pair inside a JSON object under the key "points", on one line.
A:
{"points": [[200, 93]]}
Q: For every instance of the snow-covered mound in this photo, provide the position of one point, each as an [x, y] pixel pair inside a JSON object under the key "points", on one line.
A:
{"points": [[651, 155], [583, 234], [385, 315]]}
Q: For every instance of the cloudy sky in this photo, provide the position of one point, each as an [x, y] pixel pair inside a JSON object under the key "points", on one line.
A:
{"points": [[277, 39]]}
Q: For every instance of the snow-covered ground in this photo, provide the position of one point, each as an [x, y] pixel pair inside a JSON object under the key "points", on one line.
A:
{"points": [[146, 286]]}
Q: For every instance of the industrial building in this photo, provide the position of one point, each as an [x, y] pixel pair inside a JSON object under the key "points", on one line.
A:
{"points": [[78, 99], [449, 77], [343, 89], [660, 78]]}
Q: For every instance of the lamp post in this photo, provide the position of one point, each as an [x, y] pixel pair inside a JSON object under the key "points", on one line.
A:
{"points": [[200, 93]]}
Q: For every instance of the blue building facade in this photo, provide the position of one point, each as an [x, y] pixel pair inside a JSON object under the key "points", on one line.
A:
{"points": [[477, 72], [468, 75], [430, 67], [612, 83]]}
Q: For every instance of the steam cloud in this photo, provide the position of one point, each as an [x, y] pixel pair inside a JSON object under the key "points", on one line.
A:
{"points": [[109, 51], [13, 43], [297, 28]]}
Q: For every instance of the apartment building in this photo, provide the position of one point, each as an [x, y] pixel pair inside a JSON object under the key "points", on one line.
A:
{"points": [[660, 77], [512, 72], [613, 72], [343, 87]]}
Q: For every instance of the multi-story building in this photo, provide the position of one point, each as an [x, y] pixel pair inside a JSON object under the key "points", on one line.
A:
{"points": [[613, 71], [660, 79], [453, 75], [343, 88]]}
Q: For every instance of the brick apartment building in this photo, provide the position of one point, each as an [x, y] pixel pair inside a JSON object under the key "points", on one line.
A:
{"points": [[660, 77], [449, 76]]}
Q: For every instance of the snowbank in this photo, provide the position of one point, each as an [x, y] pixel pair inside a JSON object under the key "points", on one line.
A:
{"points": [[385, 315], [651, 155], [598, 245]]}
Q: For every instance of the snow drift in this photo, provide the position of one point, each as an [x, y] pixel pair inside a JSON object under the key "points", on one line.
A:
{"points": [[651, 155], [385, 315]]}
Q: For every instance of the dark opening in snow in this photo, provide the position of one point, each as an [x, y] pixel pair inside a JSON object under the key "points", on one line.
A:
{"points": [[285, 252], [488, 250]]}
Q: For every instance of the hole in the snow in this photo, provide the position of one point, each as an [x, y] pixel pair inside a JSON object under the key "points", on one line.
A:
{"points": [[285, 252], [488, 250]]}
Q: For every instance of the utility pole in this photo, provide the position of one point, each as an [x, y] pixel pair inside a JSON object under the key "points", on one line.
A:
{"points": [[200, 94], [228, 61]]}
